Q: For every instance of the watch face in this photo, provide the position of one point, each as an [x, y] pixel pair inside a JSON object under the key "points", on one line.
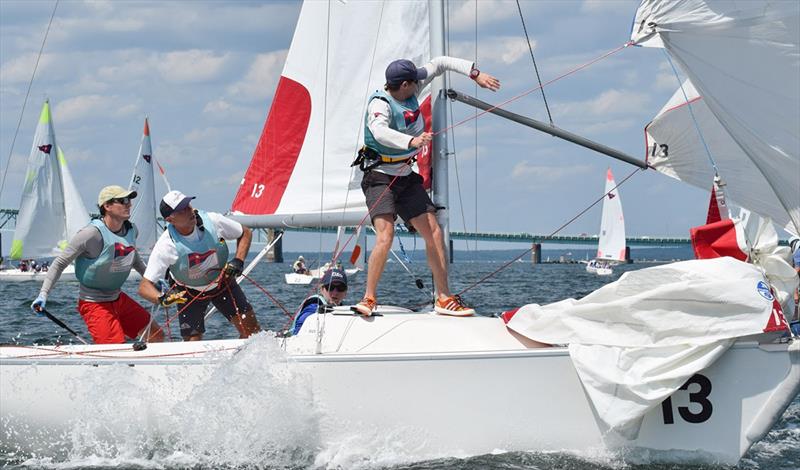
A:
{"points": [[474, 73]]}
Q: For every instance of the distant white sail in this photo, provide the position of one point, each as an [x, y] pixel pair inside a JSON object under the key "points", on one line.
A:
{"points": [[744, 60], [143, 212], [41, 224], [74, 210], [611, 246]]}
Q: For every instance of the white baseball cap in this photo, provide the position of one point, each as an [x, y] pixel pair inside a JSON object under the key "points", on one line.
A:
{"points": [[173, 201]]}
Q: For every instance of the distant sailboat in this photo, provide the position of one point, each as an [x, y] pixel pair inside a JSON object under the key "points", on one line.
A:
{"points": [[611, 246], [50, 199]]}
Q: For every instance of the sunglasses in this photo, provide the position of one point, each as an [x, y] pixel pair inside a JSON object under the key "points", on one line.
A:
{"points": [[337, 288], [121, 200]]}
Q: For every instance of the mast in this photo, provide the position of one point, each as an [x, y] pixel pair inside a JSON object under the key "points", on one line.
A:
{"points": [[439, 149]]}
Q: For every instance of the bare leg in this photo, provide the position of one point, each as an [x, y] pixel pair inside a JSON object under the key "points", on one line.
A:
{"points": [[246, 323], [193, 338], [430, 231], [384, 235]]}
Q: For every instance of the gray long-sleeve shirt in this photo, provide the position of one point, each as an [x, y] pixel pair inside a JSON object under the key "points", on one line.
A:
{"points": [[88, 242]]}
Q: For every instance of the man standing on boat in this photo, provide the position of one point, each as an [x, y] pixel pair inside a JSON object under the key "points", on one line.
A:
{"points": [[104, 253], [193, 248], [332, 291], [394, 132]]}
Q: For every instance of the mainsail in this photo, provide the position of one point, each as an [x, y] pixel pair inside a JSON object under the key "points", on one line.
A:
{"points": [[51, 210], [744, 60], [300, 172], [611, 245], [143, 212]]}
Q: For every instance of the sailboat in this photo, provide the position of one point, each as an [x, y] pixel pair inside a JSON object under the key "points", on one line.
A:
{"points": [[591, 396], [49, 199], [611, 245]]}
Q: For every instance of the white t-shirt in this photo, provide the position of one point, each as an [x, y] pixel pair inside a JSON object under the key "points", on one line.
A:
{"points": [[165, 254]]}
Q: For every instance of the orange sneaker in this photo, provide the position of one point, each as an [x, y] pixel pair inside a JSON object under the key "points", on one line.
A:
{"points": [[453, 306], [365, 307]]}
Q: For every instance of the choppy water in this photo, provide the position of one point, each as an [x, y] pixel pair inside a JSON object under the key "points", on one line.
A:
{"points": [[205, 434]]}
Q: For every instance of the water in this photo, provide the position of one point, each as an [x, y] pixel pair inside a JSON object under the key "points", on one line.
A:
{"points": [[203, 432]]}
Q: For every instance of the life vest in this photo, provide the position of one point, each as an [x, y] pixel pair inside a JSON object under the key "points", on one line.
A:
{"points": [[406, 118], [314, 299], [111, 267], [199, 262]]}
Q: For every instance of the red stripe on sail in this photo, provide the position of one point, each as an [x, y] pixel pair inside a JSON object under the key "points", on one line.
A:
{"points": [[716, 240], [424, 156], [356, 253], [276, 154]]}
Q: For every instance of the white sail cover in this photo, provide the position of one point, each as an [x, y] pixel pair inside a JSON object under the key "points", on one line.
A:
{"points": [[611, 245], [41, 224], [75, 211], [744, 60], [300, 170], [143, 212]]}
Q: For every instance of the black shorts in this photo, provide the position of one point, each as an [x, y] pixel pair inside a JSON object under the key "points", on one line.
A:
{"points": [[406, 197], [229, 300]]}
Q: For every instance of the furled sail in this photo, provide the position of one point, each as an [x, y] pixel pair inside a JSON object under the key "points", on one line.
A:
{"points": [[611, 245], [42, 220], [300, 172], [143, 212], [744, 60]]}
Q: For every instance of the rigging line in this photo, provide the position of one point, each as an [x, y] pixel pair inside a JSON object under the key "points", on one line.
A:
{"points": [[27, 94], [475, 112], [458, 178], [324, 131], [535, 68], [691, 113], [484, 278], [528, 92]]}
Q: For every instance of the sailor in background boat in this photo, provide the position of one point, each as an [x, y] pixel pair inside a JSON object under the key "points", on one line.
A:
{"points": [[193, 248], [299, 266], [332, 291], [794, 322], [104, 253], [394, 133]]}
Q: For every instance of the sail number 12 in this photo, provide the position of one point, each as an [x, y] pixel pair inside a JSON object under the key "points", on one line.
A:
{"points": [[699, 397]]}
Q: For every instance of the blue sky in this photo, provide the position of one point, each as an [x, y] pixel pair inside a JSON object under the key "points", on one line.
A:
{"points": [[204, 73]]}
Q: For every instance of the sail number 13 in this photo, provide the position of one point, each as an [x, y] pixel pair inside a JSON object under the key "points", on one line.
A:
{"points": [[258, 190], [699, 397]]}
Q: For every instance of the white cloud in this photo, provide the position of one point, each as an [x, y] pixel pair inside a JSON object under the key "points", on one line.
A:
{"points": [[609, 102], [600, 6], [259, 82], [85, 106], [191, 66], [462, 17], [495, 49], [20, 68], [547, 175]]}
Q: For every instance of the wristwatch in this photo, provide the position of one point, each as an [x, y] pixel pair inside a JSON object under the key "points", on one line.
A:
{"points": [[473, 74]]}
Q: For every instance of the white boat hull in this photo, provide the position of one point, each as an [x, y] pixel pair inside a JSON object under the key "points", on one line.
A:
{"points": [[15, 275], [600, 270], [471, 388], [314, 274]]}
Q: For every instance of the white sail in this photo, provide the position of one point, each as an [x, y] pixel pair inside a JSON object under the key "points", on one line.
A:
{"points": [[338, 56], [744, 60], [611, 246], [676, 149], [143, 212], [41, 224], [74, 210]]}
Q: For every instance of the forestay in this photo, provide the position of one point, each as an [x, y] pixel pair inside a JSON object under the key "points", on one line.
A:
{"points": [[300, 171], [744, 60], [49, 198]]}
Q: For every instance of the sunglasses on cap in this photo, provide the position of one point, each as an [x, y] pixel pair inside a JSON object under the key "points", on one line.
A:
{"points": [[121, 200]]}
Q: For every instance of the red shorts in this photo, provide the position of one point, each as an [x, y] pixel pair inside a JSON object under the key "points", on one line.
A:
{"points": [[111, 322]]}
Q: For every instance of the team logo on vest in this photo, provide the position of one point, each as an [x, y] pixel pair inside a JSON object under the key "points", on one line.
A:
{"points": [[200, 263], [123, 258], [410, 116]]}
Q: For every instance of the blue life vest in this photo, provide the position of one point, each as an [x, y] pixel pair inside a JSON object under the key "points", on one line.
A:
{"points": [[111, 267], [298, 321], [406, 118], [199, 262]]}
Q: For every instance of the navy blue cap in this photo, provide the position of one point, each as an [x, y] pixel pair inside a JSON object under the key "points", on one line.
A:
{"points": [[334, 277], [403, 69]]}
